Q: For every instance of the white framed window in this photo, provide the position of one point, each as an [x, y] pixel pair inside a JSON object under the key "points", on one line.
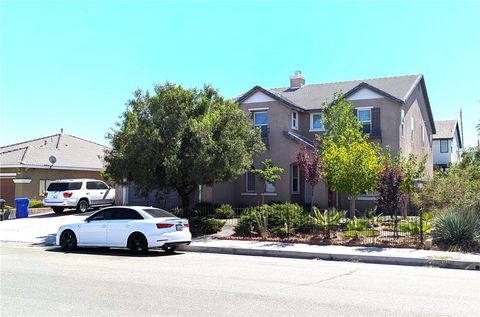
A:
{"points": [[249, 182], [412, 129], [316, 122], [402, 123], [270, 187], [295, 120], [443, 146], [422, 128], [295, 179], [364, 116], [260, 119], [43, 185]]}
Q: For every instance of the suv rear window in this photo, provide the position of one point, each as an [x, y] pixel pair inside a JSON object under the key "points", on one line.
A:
{"points": [[158, 213], [61, 187]]}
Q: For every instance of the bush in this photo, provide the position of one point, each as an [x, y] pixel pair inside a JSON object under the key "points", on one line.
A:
{"points": [[225, 211], [35, 204], [357, 224], [281, 220], [200, 226], [457, 229], [413, 227]]}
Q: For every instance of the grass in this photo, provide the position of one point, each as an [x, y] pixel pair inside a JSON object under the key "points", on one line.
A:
{"points": [[361, 233]]}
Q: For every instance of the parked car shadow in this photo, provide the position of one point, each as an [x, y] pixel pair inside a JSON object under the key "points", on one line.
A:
{"points": [[113, 252], [70, 212]]}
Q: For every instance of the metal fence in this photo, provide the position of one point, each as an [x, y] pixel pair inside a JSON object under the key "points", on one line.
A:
{"points": [[325, 227]]}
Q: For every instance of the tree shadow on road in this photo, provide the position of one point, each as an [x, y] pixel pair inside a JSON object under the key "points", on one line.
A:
{"points": [[113, 252]]}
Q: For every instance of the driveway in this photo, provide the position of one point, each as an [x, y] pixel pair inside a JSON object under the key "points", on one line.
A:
{"points": [[38, 229]]}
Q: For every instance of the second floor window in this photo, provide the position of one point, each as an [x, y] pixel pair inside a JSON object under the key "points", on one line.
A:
{"points": [[295, 120], [364, 116], [443, 146], [402, 124], [260, 119], [316, 122], [412, 129]]}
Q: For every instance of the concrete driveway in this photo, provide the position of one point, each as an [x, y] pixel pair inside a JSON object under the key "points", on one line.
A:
{"points": [[38, 229]]}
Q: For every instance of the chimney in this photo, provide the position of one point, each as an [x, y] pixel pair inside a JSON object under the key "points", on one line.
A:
{"points": [[61, 130], [297, 80]]}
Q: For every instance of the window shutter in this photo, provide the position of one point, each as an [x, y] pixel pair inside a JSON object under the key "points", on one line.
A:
{"points": [[376, 131]]}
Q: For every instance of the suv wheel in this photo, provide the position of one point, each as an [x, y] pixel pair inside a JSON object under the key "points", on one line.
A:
{"points": [[57, 210], [82, 206]]}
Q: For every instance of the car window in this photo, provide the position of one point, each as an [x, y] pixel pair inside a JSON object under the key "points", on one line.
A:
{"points": [[101, 215], [125, 213], [101, 185], [63, 186], [91, 185], [75, 185], [158, 213]]}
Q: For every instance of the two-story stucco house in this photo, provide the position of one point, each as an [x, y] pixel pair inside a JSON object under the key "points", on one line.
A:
{"points": [[447, 143], [394, 111]]}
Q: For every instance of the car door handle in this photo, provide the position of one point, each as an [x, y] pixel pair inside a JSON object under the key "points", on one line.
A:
{"points": [[101, 192], [88, 193]]}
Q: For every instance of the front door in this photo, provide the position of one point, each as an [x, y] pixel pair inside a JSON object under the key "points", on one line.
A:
{"points": [[94, 230], [93, 193]]}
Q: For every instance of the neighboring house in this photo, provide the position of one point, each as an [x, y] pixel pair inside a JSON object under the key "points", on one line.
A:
{"points": [[27, 168], [447, 143], [394, 111]]}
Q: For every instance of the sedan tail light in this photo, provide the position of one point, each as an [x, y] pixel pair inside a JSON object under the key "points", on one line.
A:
{"points": [[186, 225], [164, 225], [67, 195]]}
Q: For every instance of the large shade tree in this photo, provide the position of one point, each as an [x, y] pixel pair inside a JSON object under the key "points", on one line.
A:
{"points": [[351, 163], [181, 138]]}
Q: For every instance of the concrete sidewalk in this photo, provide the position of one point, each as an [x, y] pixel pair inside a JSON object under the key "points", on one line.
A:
{"points": [[396, 256]]}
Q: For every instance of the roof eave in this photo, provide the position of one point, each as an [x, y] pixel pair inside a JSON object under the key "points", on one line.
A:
{"points": [[270, 94]]}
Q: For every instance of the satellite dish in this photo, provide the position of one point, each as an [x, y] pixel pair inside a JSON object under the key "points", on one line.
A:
{"points": [[52, 159]]}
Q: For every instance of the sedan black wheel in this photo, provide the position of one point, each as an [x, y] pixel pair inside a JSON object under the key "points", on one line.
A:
{"points": [[68, 240], [137, 243]]}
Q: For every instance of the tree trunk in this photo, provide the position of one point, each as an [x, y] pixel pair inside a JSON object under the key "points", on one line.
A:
{"points": [[185, 196], [352, 206], [313, 195]]}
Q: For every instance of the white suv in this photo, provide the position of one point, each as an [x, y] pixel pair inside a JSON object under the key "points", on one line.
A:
{"points": [[78, 193]]}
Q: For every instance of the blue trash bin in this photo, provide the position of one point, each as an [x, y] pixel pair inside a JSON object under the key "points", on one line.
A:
{"points": [[21, 206]]}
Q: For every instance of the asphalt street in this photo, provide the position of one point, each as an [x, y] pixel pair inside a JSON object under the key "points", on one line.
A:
{"points": [[38, 281]]}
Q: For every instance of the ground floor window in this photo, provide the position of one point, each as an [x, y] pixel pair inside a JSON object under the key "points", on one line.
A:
{"points": [[270, 187], [43, 185], [249, 182], [295, 180]]}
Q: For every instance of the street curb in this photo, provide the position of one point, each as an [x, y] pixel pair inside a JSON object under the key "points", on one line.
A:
{"points": [[447, 264]]}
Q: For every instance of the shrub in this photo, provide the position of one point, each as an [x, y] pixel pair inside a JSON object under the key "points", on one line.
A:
{"points": [[457, 229], [280, 220], [200, 226], [225, 211], [361, 233], [329, 219], [35, 204], [413, 227], [357, 224]]}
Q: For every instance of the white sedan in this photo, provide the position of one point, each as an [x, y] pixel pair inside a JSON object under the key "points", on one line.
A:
{"points": [[138, 228]]}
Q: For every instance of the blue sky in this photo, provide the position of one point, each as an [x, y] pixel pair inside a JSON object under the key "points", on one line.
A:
{"points": [[73, 65]]}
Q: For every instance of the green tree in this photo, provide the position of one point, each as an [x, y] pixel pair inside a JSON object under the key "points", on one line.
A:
{"points": [[269, 173], [181, 138], [351, 163]]}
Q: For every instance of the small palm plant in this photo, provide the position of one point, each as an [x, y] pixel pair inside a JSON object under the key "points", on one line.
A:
{"points": [[327, 220]]}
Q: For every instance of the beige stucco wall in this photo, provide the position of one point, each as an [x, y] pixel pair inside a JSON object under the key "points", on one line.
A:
{"points": [[31, 190]]}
